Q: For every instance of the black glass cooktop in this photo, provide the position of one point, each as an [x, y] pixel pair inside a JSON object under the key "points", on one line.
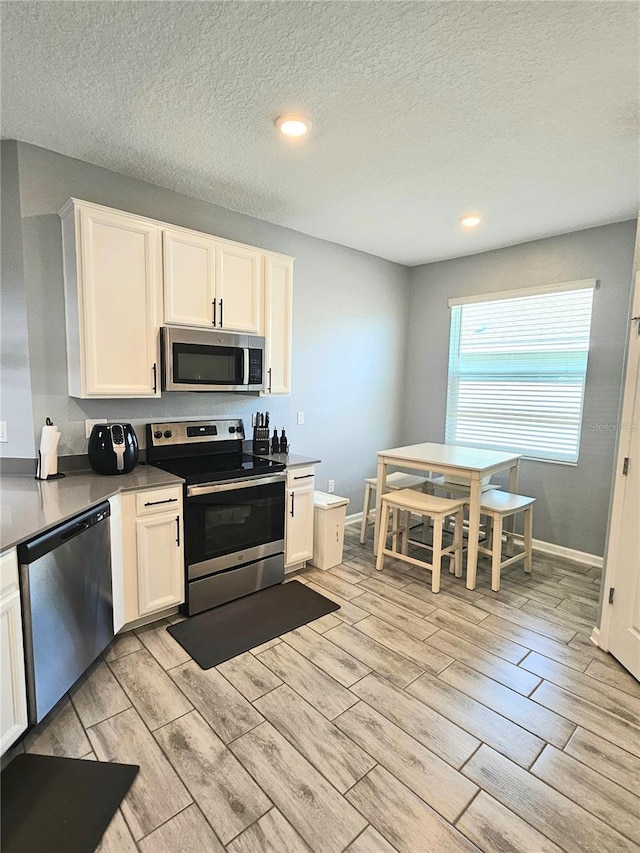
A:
{"points": [[221, 466]]}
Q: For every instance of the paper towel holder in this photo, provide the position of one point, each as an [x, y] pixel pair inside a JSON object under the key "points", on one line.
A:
{"points": [[58, 475]]}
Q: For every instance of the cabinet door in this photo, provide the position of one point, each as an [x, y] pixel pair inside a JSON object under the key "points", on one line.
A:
{"points": [[278, 274], [239, 288], [299, 526], [160, 563], [189, 262], [120, 279], [13, 694]]}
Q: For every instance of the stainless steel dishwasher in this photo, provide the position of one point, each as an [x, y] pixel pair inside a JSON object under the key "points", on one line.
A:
{"points": [[67, 605]]}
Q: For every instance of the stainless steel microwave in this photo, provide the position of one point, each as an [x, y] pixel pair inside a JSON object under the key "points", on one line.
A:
{"points": [[203, 360]]}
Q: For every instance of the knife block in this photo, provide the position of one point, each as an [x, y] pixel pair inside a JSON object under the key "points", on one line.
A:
{"points": [[261, 441]]}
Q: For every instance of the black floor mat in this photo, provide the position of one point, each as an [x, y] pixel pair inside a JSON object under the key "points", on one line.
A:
{"points": [[59, 805], [226, 631]]}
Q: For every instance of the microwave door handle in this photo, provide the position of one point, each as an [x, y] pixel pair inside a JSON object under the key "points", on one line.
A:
{"points": [[245, 369]]}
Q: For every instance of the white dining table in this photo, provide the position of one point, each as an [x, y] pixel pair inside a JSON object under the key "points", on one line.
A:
{"points": [[471, 463]]}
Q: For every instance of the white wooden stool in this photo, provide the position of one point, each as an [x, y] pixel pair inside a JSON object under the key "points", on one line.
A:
{"points": [[401, 504], [396, 480], [497, 506]]}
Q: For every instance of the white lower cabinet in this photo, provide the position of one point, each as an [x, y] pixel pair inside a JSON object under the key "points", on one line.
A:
{"points": [[160, 566], [147, 553], [299, 516], [13, 692]]}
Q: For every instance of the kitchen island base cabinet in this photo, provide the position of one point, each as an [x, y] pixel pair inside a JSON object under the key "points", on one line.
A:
{"points": [[299, 517], [13, 692], [147, 554]]}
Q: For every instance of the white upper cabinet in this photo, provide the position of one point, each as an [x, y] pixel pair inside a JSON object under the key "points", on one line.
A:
{"points": [[239, 288], [210, 283], [126, 275], [278, 313], [112, 288], [189, 264]]}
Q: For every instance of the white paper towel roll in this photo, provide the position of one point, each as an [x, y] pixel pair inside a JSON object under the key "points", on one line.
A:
{"points": [[49, 441]]}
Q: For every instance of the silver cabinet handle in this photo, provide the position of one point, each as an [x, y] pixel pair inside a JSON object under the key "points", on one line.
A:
{"points": [[269, 372], [304, 476], [178, 530], [214, 312], [166, 501], [221, 322], [293, 503], [155, 378]]}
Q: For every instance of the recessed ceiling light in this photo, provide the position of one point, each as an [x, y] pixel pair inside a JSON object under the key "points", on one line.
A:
{"points": [[470, 220], [292, 124]]}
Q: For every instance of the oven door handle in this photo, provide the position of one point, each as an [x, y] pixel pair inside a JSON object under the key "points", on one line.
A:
{"points": [[232, 485]]}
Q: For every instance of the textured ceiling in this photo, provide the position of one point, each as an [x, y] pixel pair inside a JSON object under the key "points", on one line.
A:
{"points": [[523, 111]]}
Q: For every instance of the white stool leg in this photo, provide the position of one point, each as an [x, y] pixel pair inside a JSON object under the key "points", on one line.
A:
{"points": [[437, 553], [528, 538], [457, 542], [382, 534], [366, 509], [496, 557]]}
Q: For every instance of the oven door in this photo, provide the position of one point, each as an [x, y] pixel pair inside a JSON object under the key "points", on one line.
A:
{"points": [[233, 523]]}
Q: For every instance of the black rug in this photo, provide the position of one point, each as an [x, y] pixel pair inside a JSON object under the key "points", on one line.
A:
{"points": [[59, 805], [226, 631]]}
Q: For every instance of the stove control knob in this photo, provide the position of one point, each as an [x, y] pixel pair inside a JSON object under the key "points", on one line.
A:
{"points": [[232, 429], [167, 433], [157, 434]]}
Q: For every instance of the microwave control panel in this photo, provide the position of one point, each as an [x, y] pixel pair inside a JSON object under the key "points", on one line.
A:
{"points": [[255, 367]]}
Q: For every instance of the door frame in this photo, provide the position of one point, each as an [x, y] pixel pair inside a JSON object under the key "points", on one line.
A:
{"points": [[612, 568]]}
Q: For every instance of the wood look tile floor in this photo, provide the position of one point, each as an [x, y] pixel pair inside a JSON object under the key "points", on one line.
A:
{"points": [[404, 721]]}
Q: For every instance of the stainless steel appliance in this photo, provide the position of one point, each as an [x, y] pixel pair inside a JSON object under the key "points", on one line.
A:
{"points": [[113, 448], [234, 509], [203, 360], [67, 605]]}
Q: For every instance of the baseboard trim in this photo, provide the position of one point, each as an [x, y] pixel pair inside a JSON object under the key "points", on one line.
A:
{"points": [[355, 518], [568, 553]]}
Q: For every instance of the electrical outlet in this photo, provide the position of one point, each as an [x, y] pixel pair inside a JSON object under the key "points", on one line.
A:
{"points": [[3, 431], [332, 486], [300, 418], [88, 426]]}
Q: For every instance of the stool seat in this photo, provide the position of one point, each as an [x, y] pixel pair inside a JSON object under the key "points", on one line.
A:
{"points": [[395, 480], [421, 503], [504, 502], [399, 505], [398, 480]]}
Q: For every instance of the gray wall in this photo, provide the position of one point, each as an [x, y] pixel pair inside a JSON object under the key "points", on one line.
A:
{"points": [[348, 326], [15, 380], [572, 501]]}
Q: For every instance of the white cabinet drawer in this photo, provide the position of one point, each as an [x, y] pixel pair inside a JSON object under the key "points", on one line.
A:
{"points": [[299, 476], [159, 500]]}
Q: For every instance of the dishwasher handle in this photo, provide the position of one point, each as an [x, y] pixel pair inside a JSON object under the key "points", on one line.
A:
{"points": [[45, 543]]}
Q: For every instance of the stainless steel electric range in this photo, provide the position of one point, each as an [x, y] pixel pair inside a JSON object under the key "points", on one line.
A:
{"points": [[234, 509]]}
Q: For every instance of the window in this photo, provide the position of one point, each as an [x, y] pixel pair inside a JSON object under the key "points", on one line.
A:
{"points": [[517, 368]]}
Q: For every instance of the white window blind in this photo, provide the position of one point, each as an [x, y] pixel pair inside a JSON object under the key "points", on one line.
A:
{"points": [[517, 369]]}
